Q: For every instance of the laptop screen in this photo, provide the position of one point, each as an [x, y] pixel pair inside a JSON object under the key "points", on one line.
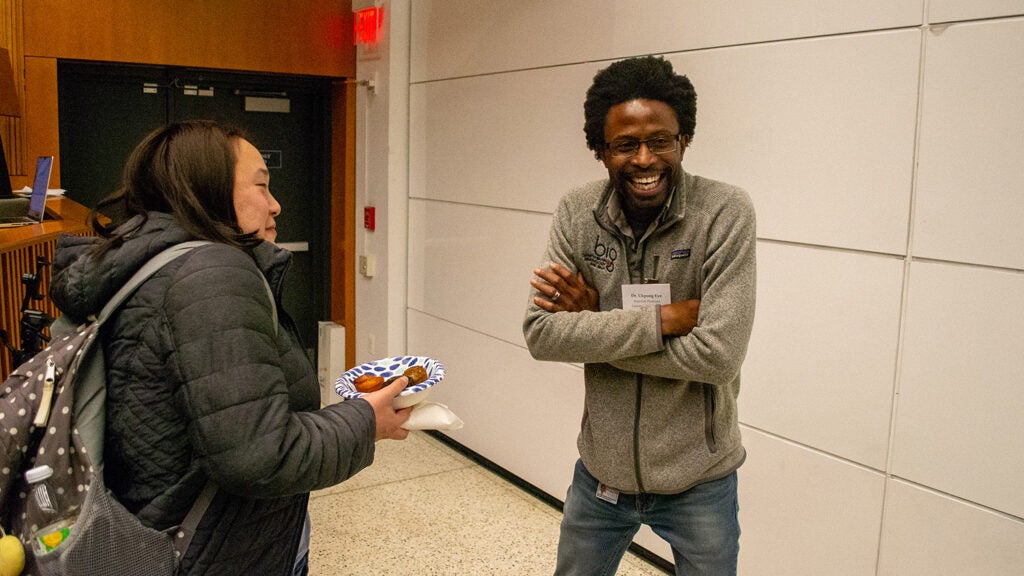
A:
{"points": [[37, 204]]}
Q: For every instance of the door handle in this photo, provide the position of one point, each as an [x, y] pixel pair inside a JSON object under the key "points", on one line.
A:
{"points": [[294, 246]]}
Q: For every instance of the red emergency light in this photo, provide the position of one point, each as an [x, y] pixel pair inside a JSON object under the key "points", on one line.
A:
{"points": [[368, 24]]}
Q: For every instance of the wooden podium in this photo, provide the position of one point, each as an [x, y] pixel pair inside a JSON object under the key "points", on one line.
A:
{"points": [[19, 249]]}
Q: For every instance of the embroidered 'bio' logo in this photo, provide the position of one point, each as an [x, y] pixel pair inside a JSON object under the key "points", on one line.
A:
{"points": [[604, 256]]}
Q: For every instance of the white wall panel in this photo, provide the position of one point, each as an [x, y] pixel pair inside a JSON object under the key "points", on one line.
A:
{"points": [[803, 513], [862, 137], [510, 140], [927, 533], [518, 412], [822, 356], [819, 132], [453, 38], [958, 419], [969, 201], [949, 10], [472, 265]]}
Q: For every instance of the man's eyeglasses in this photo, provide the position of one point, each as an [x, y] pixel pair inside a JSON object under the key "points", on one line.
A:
{"points": [[627, 148]]}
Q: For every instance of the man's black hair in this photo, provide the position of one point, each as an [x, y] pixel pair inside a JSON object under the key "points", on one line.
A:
{"points": [[646, 77]]}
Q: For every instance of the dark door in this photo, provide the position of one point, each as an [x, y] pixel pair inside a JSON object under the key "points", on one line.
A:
{"points": [[105, 110]]}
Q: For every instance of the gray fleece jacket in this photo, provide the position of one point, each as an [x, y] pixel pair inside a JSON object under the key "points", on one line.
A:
{"points": [[660, 412]]}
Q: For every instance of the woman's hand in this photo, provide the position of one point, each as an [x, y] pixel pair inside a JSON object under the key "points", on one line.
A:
{"points": [[389, 420]]}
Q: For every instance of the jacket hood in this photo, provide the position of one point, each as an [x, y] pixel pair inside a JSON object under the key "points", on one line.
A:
{"points": [[81, 284]]}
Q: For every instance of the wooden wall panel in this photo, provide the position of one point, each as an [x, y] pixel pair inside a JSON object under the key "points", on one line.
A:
{"points": [[11, 128], [19, 249], [286, 36], [298, 37], [343, 219], [12, 265], [41, 115]]}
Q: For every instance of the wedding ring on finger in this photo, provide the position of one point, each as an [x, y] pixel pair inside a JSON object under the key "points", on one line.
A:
{"points": [[556, 296]]}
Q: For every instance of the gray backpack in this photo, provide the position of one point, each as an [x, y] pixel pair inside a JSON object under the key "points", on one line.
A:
{"points": [[52, 412]]}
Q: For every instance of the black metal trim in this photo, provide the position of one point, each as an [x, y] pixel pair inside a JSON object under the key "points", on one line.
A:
{"points": [[641, 552]]}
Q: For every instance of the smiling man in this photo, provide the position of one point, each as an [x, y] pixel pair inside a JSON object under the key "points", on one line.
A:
{"points": [[649, 281]]}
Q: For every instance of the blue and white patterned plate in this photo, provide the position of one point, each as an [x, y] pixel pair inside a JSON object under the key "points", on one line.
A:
{"points": [[388, 367]]}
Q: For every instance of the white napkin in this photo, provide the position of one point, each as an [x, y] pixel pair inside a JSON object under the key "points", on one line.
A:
{"points": [[432, 416]]}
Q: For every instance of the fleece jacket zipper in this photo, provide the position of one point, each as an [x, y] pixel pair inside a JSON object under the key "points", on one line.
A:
{"points": [[636, 433], [639, 387]]}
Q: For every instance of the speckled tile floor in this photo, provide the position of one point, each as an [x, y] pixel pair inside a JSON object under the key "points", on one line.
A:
{"points": [[423, 509]]}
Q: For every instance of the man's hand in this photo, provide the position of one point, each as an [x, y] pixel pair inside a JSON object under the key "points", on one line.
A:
{"points": [[679, 318], [563, 291]]}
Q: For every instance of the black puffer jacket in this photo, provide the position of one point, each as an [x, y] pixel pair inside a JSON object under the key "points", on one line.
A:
{"points": [[200, 385]]}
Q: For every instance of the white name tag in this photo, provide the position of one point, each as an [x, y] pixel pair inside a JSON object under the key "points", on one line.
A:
{"points": [[636, 296], [607, 493]]}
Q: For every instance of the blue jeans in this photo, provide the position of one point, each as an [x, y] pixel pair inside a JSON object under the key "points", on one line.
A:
{"points": [[701, 524], [302, 558]]}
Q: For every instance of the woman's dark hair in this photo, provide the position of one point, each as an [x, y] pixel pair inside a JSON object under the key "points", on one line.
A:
{"points": [[185, 169], [646, 77]]}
